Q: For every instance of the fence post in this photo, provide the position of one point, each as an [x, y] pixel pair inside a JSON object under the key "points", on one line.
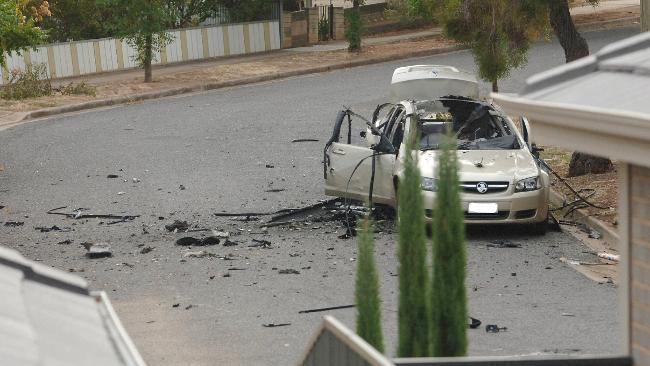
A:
{"points": [[339, 23], [312, 25]]}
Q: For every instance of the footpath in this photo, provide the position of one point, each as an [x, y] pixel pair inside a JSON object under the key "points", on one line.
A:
{"points": [[128, 87]]}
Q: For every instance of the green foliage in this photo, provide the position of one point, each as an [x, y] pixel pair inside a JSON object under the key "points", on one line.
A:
{"points": [[18, 31], [448, 298], [79, 89], [354, 27], [78, 20], [412, 314], [404, 11], [31, 83], [323, 29], [367, 290], [247, 10]]}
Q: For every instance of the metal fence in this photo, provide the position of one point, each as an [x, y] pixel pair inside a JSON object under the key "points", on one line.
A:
{"points": [[223, 15], [112, 54]]}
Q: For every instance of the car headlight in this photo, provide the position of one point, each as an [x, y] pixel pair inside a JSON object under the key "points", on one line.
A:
{"points": [[528, 184], [429, 184]]}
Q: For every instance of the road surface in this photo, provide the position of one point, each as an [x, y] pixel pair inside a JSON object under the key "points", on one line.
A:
{"points": [[217, 145]]}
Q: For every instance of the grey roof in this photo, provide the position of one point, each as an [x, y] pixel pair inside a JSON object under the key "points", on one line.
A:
{"points": [[615, 78], [48, 317]]}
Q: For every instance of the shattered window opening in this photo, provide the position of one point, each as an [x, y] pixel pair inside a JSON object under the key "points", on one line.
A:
{"points": [[476, 125]]}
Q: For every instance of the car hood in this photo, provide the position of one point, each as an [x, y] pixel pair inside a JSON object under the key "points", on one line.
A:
{"points": [[484, 165]]}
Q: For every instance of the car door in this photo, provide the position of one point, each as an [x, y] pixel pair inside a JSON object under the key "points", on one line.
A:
{"points": [[349, 171]]}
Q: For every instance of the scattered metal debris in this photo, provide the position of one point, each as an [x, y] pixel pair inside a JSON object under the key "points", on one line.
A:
{"points": [[112, 176], [78, 214], [503, 244], [146, 250], [220, 234], [288, 271], [493, 328], [14, 223], [199, 254], [275, 190], [326, 309], [181, 187], [474, 323], [270, 166], [177, 225], [305, 140], [190, 241], [258, 243], [65, 242], [98, 250], [272, 325], [176, 305]]}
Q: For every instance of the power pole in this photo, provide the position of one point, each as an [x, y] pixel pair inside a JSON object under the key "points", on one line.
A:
{"points": [[645, 15]]}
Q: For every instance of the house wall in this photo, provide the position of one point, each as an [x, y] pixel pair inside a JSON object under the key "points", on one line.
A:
{"points": [[639, 239], [111, 54]]}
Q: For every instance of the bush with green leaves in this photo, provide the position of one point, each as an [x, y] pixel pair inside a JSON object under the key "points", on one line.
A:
{"points": [[448, 297], [354, 27], [79, 89], [412, 312], [29, 83], [367, 289]]}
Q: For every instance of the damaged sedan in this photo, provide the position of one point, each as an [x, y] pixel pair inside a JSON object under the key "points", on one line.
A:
{"points": [[502, 180]]}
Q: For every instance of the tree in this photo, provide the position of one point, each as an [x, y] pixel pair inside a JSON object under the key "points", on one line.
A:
{"points": [[412, 313], [498, 32], [77, 20], [575, 47], [18, 30], [367, 290], [143, 24], [448, 298], [354, 27]]}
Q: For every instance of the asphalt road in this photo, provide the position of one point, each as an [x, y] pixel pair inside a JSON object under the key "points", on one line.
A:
{"points": [[217, 145]]}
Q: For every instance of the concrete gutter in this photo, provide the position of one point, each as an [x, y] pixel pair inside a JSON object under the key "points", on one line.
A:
{"points": [[46, 112], [582, 216]]}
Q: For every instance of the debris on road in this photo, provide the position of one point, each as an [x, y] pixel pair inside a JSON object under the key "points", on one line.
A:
{"points": [[177, 225], [272, 325], [493, 328], [45, 229], [594, 234], [326, 309], [112, 176], [188, 241], [474, 323], [98, 250], [229, 243], [146, 250], [65, 242], [176, 305], [503, 244], [14, 223], [275, 190], [220, 234], [78, 214], [305, 140], [270, 166], [258, 243], [288, 271], [609, 256], [121, 193], [199, 254]]}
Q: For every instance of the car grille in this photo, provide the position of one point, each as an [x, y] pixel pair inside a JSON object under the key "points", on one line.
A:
{"points": [[492, 187], [487, 216]]}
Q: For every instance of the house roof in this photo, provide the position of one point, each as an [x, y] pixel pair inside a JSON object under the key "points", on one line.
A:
{"points": [[48, 317], [604, 95]]}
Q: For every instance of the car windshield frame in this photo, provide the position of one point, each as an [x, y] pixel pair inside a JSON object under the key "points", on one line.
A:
{"points": [[476, 125]]}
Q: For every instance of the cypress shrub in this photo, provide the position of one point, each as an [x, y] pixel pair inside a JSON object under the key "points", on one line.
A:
{"points": [[448, 297], [367, 289], [412, 314]]}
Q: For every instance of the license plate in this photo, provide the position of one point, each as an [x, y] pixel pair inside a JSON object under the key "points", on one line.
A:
{"points": [[482, 208]]}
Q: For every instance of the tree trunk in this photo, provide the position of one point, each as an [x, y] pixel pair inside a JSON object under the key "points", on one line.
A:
{"points": [[575, 47], [572, 42], [495, 86], [147, 58]]}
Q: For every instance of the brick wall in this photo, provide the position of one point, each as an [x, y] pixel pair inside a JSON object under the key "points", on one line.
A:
{"points": [[639, 220]]}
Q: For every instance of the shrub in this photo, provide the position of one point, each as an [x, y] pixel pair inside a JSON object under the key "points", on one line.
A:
{"points": [[79, 89], [353, 30], [323, 29], [30, 83], [367, 290]]}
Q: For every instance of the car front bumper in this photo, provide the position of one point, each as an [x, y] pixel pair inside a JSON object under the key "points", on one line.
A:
{"points": [[512, 208]]}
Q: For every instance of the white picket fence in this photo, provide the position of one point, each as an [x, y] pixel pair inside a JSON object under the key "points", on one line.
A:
{"points": [[110, 54]]}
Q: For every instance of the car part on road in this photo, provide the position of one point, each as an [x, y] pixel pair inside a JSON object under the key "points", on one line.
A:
{"points": [[78, 214], [112, 176], [288, 271], [503, 244], [326, 309], [272, 325], [177, 225], [146, 250], [14, 223], [474, 323], [99, 250], [190, 241], [259, 243], [305, 140], [493, 328], [45, 229]]}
